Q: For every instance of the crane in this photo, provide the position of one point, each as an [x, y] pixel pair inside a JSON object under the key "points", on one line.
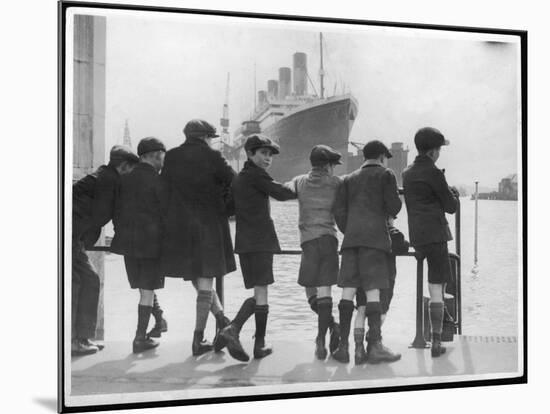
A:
{"points": [[224, 120]]}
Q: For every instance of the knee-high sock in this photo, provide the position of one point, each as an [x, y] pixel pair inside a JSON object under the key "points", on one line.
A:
{"points": [[247, 309], [204, 300], [260, 313], [324, 309], [358, 335], [346, 312], [373, 310], [314, 305], [144, 314], [436, 318], [157, 310]]}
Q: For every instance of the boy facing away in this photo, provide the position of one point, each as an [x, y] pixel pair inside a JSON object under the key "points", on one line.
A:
{"points": [[398, 246], [138, 232], [428, 197], [318, 272], [365, 200], [255, 241]]}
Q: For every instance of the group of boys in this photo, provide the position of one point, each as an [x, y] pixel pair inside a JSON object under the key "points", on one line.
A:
{"points": [[171, 219]]}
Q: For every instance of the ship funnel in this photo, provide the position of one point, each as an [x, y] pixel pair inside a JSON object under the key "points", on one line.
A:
{"points": [[262, 98], [284, 82], [300, 73], [272, 88]]}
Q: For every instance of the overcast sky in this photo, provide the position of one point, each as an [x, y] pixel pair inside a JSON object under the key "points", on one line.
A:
{"points": [[162, 70]]}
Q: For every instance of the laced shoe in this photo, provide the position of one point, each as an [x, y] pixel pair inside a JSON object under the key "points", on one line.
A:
{"points": [[379, 353], [231, 336], [81, 347], [320, 350], [142, 344]]}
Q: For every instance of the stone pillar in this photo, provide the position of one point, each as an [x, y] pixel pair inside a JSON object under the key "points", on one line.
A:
{"points": [[89, 114]]}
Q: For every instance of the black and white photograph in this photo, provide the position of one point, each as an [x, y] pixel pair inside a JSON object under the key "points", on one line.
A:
{"points": [[260, 206]]}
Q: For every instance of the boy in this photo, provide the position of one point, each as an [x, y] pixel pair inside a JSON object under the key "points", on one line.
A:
{"points": [[197, 242], [138, 231], [255, 240], [93, 207], [428, 198], [398, 246], [364, 201], [316, 192]]}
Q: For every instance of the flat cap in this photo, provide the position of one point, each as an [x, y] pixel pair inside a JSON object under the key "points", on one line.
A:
{"points": [[122, 153], [260, 141], [199, 128], [150, 144], [373, 149], [428, 138], [323, 154]]}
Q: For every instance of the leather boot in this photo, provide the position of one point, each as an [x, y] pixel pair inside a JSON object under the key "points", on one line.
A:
{"points": [[320, 350], [160, 326], [231, 335], [360, 355], [334, 337], [261, 350], [342, 353], [143, 343], [200, 346], [437, 349], [219, 341], [379, 353]]}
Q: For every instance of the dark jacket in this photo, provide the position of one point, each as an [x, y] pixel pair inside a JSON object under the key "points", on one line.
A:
{"points": [[93, 203], [197, 242], [137, 221], [255, 231], [428, 198], [365, 200]]}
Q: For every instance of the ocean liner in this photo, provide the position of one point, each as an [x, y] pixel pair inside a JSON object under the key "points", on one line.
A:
{"points": [[296, 120]]}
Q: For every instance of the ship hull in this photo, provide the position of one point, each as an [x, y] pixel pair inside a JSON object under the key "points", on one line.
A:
{"points": [[327, 122]]}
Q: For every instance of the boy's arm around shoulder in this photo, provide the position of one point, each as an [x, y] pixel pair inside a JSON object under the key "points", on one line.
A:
{"points": [[448, 200], [392, 201], [340, 206], [280, 192]]}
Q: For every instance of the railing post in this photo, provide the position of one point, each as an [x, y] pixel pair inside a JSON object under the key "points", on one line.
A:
{"points": [[458, 298], [219, 291], [419, 341]]}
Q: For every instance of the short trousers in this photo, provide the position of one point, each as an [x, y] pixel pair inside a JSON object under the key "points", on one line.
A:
{"points": [[364, 267], [386, 295], [144, 273], [257, 268], [319, 264], [439, 266]]}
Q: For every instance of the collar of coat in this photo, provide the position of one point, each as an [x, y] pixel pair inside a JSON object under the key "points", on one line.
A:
{"points": [[423, 159], [371, 164], [145, 166], [250, 166], [195, 141]]}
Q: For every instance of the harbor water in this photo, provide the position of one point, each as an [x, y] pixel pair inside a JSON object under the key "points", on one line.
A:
{"points": [[489, 291]]}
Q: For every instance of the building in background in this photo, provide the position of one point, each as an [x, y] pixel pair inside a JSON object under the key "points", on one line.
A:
{"points": [[398, 161]]}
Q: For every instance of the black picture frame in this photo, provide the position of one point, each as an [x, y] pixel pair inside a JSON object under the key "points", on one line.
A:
{"points": [[63, 6]]}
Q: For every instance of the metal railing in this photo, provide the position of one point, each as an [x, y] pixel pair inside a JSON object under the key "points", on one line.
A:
{"points": [[419, 340]]}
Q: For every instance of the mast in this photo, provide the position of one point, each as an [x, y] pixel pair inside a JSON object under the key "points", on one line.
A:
{"points": [[321, 70]]}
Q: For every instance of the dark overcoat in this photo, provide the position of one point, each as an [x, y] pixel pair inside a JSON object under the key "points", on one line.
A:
{"points": [[255, 231], [138, 218], [428, 198], [197, 241], [365, 200], [93, 203]]}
